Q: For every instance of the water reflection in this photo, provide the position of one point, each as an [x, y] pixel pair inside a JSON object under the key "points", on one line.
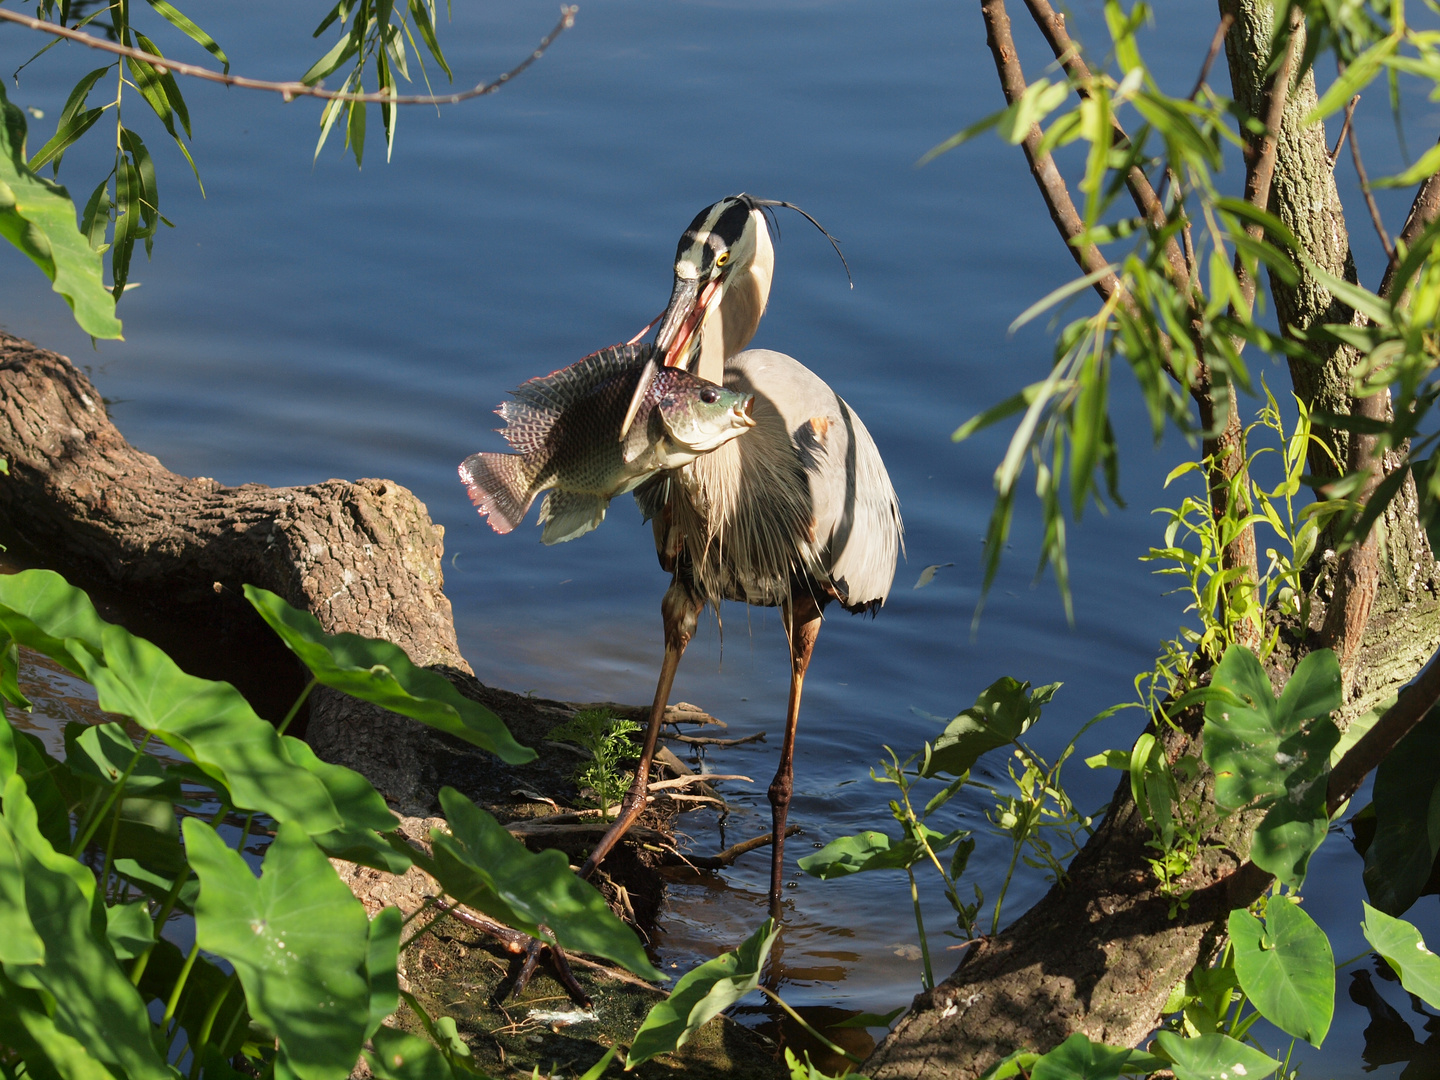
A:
{"points": [[1389, 1038]]}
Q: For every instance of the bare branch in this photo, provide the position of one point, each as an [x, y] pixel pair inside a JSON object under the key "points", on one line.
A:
{"points": [[291, 90], [1042, 166], [1260, 157], [1414, 702], [1365, 190], [1424, 210], [1216, 43], [1334, 153], [1357, 577], [1052, 25]]}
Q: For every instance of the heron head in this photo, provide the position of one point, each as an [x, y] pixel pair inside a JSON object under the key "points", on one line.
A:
{"points": [[726, 251]]}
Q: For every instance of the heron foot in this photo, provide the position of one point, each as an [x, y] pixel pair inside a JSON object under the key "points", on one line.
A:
{"points": [[529, 963]]}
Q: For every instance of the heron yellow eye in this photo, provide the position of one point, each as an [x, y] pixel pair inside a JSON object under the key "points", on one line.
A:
{"points": [[722, 258]]}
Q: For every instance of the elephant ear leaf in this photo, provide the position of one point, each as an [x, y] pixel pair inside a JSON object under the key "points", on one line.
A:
{"points": [[38, 217]]}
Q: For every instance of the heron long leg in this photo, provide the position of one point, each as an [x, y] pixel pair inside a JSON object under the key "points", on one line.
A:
{"points": [[802, 625], [680, 610]]}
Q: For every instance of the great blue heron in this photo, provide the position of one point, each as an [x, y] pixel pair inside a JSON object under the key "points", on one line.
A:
{"points": [[796, 513]]}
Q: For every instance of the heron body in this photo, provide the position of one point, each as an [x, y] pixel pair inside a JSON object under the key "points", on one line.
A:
{"points": [[796, 513]]}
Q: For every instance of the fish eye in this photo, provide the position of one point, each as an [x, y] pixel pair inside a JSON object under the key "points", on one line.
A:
{"points": [[722, 258], [709, 395]]}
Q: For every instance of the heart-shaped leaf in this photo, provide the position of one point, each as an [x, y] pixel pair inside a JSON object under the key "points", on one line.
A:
{"points": [[211, 724], [483, 866], [1286, 968], [381, 673], [95, 1003], [1214, 1057], [38, 217], [1404, 950], [1407, 819], [1003, 712], [299, 940], [1077, 1058], [868, 850], [700, 995]]}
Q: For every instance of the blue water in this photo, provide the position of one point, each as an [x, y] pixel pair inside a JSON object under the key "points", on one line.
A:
{"points": [[306, 321]]}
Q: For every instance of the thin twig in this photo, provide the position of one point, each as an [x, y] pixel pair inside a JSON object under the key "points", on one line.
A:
{"points": [[1334, 154], [728, 856], [704, 740], [291, 90], [1365, 190], [1052, 25], [1226, 21]]}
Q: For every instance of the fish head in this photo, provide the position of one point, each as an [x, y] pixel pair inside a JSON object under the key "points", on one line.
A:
{"points": [[697, 415]]}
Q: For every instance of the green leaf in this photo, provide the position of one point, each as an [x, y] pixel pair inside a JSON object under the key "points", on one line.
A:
{"points": [[380, 966], [700, 995], [1012, 1064], [39, 219], [172, 15], [1407, 819], [1404, 950], [381, 673], [1003, 712], [69, 130], [360, 806], [31, 1032], [1077, 1058], [1245, 724], [129, 929], [355, 130], [863, 851], [869, 1020], [299, 940], [44, 612], [1214, 1057], [1275, 753], [212, 725], [1353, 79], [399, 1056], [19, 943], [74, 106], [421, 14], [1286, 968], [103, 752], [94, 1000], [483, 866]]}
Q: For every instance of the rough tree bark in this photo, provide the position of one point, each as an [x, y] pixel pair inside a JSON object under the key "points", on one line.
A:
{"points": [[362, 556], [1100, 954]]}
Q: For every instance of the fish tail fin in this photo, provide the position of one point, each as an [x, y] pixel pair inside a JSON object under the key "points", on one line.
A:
{"points": [[498, 487], [568, 514]]}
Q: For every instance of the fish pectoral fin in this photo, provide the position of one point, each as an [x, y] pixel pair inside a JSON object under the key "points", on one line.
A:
{"points": [[568, 514], [498, 487]]}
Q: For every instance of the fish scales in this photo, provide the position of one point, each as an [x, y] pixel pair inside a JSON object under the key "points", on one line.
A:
{"points": [[565, 429]]}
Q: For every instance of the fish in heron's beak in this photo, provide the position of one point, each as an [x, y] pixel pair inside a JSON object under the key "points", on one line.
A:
{"points": [[689, 302], [563, 427]]}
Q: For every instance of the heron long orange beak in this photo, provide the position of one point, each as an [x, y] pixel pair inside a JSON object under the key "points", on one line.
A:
{"points": [[689, 301]]}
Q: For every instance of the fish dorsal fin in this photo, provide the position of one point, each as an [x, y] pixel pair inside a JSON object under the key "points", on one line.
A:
{"points": [[539, 402]]}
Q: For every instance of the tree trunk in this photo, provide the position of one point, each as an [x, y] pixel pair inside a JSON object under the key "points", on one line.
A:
{"points": [[363, 557], [1100, 953]]}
